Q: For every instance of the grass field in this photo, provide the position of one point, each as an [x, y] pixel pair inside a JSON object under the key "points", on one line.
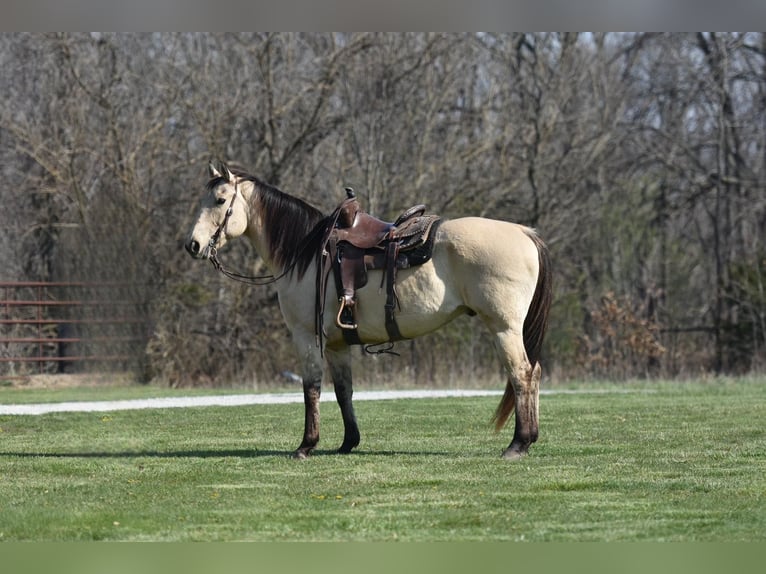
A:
{"points": [[675, 462]]}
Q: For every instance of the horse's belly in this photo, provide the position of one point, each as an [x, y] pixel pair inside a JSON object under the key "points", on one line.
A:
{"points": [[425, 304]]}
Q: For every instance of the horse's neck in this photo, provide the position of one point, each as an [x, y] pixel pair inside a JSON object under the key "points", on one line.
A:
{"points": [[255, 230], [281, 228]]}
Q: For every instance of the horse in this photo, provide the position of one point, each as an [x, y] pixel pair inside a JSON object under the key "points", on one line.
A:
{"points": [[495, 270]]}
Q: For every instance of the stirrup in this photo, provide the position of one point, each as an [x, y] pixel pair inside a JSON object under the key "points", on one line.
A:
{"points": [[341, 324]]}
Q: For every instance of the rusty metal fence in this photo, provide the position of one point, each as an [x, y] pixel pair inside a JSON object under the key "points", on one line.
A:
{"points": [[50, 327]]}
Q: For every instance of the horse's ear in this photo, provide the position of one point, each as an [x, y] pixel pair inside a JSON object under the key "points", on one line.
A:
{"points": [[212, 169], [217, 168]]}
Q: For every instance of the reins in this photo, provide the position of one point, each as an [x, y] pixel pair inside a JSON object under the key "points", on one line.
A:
{"points": [[249, 279], [212, 253]]}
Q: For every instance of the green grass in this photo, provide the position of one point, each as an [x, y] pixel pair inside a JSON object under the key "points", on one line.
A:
{"points": [[675, 462]]}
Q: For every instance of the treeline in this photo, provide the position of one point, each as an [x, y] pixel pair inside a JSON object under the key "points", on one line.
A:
{"points": [[640, 158]]}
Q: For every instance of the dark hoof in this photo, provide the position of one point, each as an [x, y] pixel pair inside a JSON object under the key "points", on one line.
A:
{"points": [[513, 454], [301, 454], [349, 443]]}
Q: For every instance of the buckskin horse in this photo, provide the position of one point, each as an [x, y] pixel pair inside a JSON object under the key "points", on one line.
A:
{"points": [[495, 270]]}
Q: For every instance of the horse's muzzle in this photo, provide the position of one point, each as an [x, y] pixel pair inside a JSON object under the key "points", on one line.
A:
{"points": [[194, 248]]}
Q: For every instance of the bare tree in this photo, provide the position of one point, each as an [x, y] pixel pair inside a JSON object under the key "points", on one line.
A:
{"points": [[641, 158]]}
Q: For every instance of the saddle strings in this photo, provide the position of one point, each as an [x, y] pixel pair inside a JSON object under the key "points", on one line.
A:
{"points": [[386, 348]]}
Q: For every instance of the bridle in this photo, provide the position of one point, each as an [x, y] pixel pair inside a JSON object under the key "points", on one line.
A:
{"points": [[211, 251]]}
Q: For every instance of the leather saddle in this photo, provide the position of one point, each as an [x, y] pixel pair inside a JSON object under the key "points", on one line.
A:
{"points": [[356, 242]]}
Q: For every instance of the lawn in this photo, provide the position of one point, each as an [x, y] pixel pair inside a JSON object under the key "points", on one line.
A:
{"points": [[663, 462]]}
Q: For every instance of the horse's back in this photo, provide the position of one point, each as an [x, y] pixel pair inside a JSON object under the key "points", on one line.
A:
{"points": [[502, 246]]}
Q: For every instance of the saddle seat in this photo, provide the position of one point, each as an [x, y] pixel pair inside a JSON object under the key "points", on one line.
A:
{"points": [[365, 231], [356, 242]]}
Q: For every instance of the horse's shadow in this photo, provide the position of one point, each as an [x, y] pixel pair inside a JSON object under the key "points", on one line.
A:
{"points": [[210, 453]]}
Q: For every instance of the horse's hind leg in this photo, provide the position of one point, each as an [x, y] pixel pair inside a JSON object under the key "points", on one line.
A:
{"points": [[526, 428], [339, 363], [523, 389]]}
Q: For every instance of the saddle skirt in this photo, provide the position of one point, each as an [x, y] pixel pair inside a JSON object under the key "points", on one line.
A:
{"points": [[355, 242]]}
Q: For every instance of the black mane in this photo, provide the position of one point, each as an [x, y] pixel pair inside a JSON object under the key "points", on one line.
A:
{"points": [[293, 228]]}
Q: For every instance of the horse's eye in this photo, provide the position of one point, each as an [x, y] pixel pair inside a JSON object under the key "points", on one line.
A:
{"points": [[220, 200]]}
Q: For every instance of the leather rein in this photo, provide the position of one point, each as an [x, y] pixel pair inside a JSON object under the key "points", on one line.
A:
{"points": [[212, 253]]}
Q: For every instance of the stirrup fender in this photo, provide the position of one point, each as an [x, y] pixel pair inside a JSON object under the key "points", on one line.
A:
{"points": [[355, 242]]}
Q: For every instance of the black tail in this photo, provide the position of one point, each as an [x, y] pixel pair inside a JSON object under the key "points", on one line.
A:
{"points": [[536, 322]]}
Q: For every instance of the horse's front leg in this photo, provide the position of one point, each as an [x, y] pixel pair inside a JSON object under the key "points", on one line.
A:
{"points": [[312, 387], [340, 370]]}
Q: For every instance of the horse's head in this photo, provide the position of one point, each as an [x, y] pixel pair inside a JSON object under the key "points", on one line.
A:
{"points": [[223, 213]]}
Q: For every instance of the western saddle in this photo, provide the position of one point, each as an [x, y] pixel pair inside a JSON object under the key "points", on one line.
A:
{"points": [[355, 242]]}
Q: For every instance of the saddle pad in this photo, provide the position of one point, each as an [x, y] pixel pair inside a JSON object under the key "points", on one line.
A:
{"points": [[414, 232], [417, 252]]}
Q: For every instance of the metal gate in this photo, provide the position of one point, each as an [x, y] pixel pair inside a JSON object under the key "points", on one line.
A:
{"points": [[58, 327]]}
